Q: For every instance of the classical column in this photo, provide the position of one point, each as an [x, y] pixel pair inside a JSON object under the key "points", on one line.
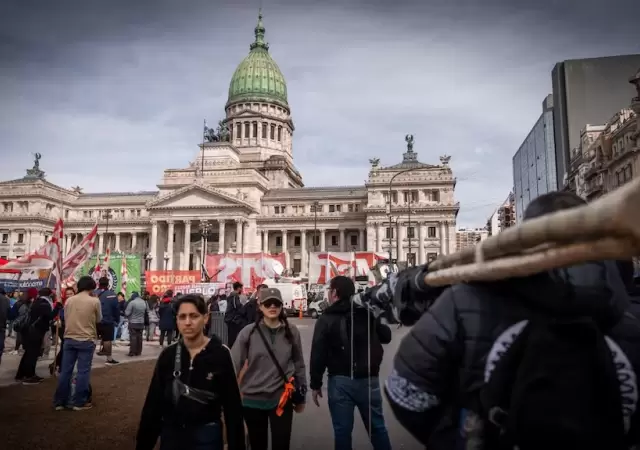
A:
{"points": [[421, 257], [153, 250], [100, 242], [442, 238], [65, 250], [134, 242], [284, 248], [244, 236], [361, 240], [323, 247], [187, 245], [117, 246], [29, 242], [342, 249], [400, 235], [170, 232], [265, 241], [303, 251], [452, 237], [221, 232], [238, 235], [379, 236]]}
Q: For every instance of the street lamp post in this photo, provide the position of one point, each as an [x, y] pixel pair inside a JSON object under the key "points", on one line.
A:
{"points": [[315, 205], [204, 239]]}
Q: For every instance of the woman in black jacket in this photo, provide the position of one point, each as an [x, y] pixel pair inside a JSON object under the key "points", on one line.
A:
{"points": [[193, 382]]}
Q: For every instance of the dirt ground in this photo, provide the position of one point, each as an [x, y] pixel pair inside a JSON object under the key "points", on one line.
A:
{"points": [[28, 420]]}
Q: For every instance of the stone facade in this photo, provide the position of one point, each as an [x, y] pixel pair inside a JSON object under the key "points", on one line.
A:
{"points": [[245, 195], [609, 154]]}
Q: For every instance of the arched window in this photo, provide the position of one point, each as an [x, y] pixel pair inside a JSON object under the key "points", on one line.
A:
{"points": [[238, 131], [264, 130], [273, 132], [279, 134], [255, 129], [246, 130]]}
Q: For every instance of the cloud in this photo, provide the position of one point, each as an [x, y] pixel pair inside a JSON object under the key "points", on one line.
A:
{"points": [[125, 86]]}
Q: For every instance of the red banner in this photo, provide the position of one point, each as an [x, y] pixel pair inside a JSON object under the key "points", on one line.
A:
{"points": [[326, 265], [160, 281], [249, 268]]}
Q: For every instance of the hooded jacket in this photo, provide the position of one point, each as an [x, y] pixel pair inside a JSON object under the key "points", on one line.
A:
{"points": [[331, 346], [440, 364]]}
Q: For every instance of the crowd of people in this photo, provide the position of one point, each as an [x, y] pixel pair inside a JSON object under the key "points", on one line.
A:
{"points": [[545, 361]]}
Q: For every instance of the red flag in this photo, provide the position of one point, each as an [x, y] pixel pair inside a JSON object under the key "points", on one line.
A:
{"points": [[46, 257]]}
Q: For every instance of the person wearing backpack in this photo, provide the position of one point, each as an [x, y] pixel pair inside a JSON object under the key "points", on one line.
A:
{"points": [[274, 384], [546, 361], [347, 340]]}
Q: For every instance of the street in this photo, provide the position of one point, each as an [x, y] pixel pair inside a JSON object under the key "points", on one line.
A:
{"points": [[120, 391]]}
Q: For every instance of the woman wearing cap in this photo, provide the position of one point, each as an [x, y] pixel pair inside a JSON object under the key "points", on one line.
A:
{"points": [[194, 381], [274, 382]]}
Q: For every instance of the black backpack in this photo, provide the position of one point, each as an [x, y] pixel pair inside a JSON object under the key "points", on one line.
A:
{"points": [[555, 386]]}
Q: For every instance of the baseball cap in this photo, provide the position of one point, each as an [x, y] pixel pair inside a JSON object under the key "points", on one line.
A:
{"points": [[270, 294]]}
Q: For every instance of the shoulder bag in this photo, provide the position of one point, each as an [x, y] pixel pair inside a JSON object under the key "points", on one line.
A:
{"points": [[293, 389], [185, 397]]}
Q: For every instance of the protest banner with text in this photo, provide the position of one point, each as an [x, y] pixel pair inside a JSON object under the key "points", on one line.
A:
{"points": [[160, 281]]}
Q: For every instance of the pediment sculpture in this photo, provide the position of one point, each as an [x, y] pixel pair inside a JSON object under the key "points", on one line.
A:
{"points": [[444, 160]]}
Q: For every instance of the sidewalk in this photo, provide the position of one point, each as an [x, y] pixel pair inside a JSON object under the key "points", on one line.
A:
{"points": [[9, 365]]}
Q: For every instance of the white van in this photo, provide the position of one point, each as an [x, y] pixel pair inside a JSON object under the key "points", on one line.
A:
{"points": [[294, 296]]}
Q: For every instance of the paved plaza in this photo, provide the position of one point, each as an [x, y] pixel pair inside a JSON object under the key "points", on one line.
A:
{"points": [[119, 393]]}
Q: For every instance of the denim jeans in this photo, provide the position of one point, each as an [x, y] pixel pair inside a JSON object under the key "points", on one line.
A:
{"points": [[82, 353], [343, 396]]}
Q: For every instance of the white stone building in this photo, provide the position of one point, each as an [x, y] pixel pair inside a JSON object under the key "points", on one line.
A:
{"points": [[243, 192]]}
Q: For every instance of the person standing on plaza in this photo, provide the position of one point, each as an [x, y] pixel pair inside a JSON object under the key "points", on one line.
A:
{"points": [[193, 382], [347, 341], [137, 314], [22, 308], [153, 303], [274, 383], [233, 314], [38, 320], [167, 322], [5, 308], [122, 305], [110, 317], [82, 314]]}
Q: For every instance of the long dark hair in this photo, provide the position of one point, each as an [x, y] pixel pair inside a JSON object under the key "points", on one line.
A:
{"points": [[283, 318]]}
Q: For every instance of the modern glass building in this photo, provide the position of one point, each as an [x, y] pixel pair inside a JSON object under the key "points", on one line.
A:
{"points": [[534, 164]]}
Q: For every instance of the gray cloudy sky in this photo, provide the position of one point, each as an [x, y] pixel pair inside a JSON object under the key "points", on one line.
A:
{"points": [[111, 93]]}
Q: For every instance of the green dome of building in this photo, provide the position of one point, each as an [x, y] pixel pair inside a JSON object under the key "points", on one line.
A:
{"points": [[258, 77]]}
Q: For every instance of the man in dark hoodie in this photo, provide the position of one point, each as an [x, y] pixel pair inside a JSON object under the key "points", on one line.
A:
{"points": [[353, 377], [110, 318], [444, 365]]}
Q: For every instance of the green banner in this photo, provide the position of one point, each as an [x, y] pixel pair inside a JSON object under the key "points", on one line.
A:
{"points": [[115, 273]]}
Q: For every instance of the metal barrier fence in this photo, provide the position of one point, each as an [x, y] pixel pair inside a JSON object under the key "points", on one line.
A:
{"points": [[218, 327]]}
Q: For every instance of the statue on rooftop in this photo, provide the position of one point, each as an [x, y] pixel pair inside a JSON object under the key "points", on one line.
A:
{"points": [[375, 162], [223, 131], [444, 160], [409, 139]]}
